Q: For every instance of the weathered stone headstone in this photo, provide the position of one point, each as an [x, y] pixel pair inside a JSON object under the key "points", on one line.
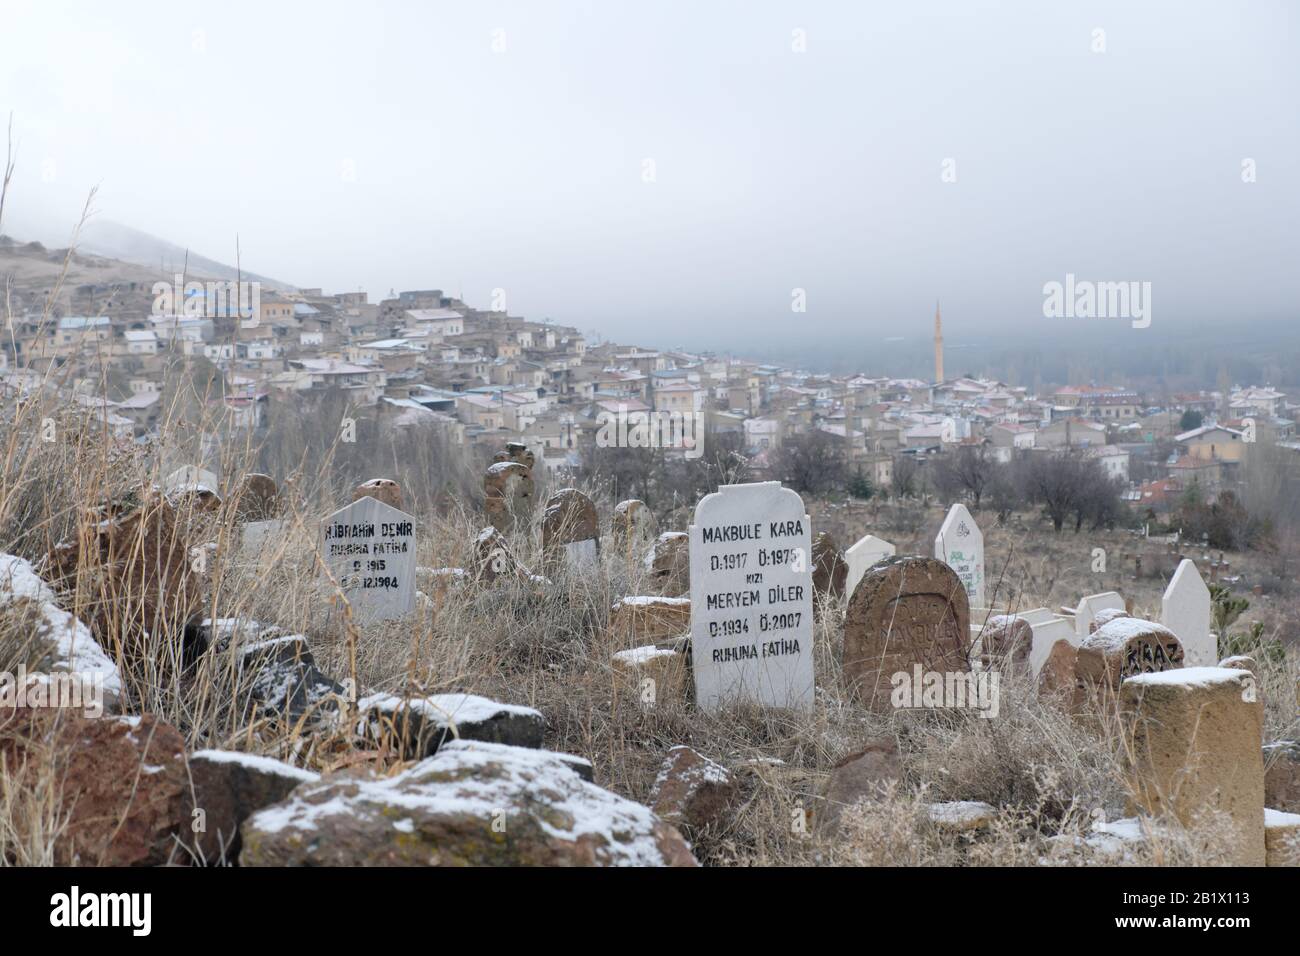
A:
{"points": [[1195, 736], [1125, 648], [693, 792], [369, 548], [1106, 615], [652, 675], [866, 774], [668, 564], [751, 597], [493, 558], [1281, 838], [570, 531], [507, 494], [639, 618], [1006, 643], [866, 552], [1086, 613], [381, 489], [1282, 775], [258, 498], [907, 610], [1058, 676], [960, 545], [830, 571], [518, 452], [1185, 610], [633, 528]]}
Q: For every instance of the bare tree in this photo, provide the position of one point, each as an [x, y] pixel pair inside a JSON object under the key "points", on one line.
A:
{"points": [[906, 476], [812, 463], [1055, 481], [971, 470]]}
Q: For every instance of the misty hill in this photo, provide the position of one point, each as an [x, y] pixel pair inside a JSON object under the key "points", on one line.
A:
{"points": [[104, 237]]}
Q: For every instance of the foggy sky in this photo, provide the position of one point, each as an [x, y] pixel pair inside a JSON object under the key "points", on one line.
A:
{"points": [[523, 169]]}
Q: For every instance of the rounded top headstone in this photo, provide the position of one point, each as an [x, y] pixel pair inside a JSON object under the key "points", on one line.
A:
{"points": [[570, 516], [381, 489], [907, 610], [258, 498]]}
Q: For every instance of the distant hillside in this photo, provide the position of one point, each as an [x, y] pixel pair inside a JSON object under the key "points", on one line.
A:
{"points": [[104, 237]]}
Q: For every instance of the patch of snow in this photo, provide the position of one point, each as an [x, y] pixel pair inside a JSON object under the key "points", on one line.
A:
{"points": [[78, 653], [641, 655], [641, 600], [1280, 818], [256, 762], [446, 709], [1116, 633], [1128, 829], [960, 811], [1191, 677], [272, 642], [19, 579]]}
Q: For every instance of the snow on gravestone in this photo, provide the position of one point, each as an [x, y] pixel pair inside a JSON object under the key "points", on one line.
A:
{"points": [[1185, 610], [866, 552], [960, 545], [751, 597], [369, 547]]}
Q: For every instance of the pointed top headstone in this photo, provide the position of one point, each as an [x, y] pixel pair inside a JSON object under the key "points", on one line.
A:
{"points": [[960, 545], [1185, 610]]}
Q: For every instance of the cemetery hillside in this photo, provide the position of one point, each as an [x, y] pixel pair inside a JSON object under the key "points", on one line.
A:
{"points": [[673, 458], [502, 608]]}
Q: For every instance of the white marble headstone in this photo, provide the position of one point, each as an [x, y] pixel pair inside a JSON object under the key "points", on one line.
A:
{"points": [[369, 547], [1047, 631], [960, 545], [866, 552], [1088, 608], [1185, 610], [751, 597]]}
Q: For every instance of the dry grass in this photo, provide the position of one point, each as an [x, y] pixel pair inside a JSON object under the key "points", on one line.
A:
{"points": [[548, 647]]}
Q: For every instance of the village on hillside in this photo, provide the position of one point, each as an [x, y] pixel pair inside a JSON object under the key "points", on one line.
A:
{"points": [[423, 357]]}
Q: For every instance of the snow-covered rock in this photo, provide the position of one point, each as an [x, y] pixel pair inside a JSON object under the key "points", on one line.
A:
{"points": [[418, 726], [692, 790], [73, 650], [471, 804], [229, 787]]}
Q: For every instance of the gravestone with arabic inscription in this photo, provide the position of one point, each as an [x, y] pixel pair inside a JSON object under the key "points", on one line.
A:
{"points": [[907, 611], [960, 545]]}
